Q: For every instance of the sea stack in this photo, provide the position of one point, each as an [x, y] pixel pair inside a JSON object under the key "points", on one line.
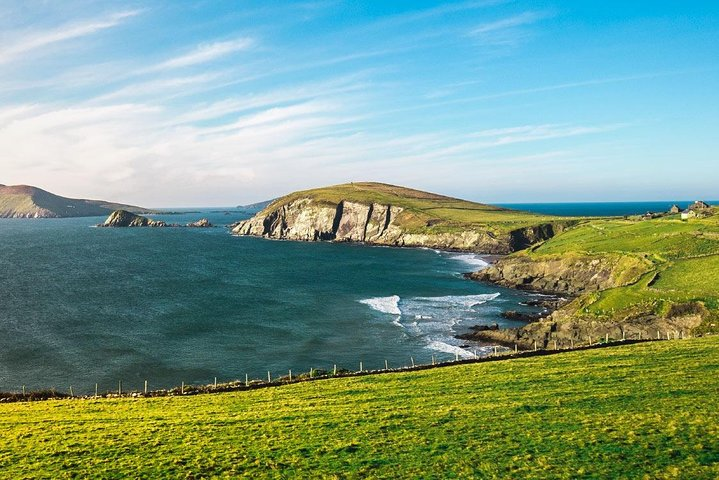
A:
{"points": [[123, 218], [201, 223]]}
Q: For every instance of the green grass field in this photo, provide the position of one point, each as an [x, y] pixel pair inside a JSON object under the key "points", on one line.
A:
{"points": [[636, 411], [445, 213], [683, 259]]}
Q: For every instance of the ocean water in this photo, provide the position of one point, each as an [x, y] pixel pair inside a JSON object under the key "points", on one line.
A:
{"points": [[600, 209], [80, 305]]}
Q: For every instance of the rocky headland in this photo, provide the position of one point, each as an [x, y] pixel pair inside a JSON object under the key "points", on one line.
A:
{"points": [[571, 282], [381, 214]]}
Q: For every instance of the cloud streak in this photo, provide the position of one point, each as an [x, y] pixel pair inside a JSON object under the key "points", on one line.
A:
{"points": [[39, 40], [205, 53]]}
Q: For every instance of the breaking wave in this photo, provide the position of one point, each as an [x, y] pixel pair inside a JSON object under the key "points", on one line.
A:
{"points": [[432, 320], [388, 305]]}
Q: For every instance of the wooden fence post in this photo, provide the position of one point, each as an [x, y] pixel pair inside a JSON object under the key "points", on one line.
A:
{"points": [[290, 375], [145, 387], [516, 349], [606, 338], [215, 385], [334, 370], [535, 345]]}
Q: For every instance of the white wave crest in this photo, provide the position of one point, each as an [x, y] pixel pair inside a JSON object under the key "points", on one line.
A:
{"points": [[474, 260], [466, 301], [447, 348], [388, 305]]}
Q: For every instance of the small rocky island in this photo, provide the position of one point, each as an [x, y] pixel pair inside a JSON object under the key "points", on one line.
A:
{"points": [[123, 218]]}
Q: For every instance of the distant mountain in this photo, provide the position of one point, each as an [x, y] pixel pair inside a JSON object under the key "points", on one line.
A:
{"points": [[24, 201]]}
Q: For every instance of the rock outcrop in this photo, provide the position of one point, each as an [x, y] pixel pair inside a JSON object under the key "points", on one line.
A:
{"points": [[201, 223], [578, 275], [305, 219], [568, 330], [564, 275], [123, 218]]}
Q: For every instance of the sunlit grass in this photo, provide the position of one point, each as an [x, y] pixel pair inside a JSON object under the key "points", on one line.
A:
{"points": [[646, 410]]}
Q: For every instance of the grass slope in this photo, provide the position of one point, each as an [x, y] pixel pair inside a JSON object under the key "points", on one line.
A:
{"points": [[637, 411], [423, 211], [682, 259]]}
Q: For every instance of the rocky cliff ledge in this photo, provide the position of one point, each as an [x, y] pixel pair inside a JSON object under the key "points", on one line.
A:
{"points": [[577, 278], [123, 218], [564, 274], [305, 219]]}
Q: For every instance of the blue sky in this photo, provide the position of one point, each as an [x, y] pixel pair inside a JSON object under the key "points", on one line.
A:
{"points": [[201, 103]]}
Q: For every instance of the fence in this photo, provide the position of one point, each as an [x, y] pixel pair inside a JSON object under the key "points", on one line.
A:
{"points": [[497, 354]]}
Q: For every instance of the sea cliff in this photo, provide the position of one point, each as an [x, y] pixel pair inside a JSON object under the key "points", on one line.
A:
{"points": [[407, 221]]}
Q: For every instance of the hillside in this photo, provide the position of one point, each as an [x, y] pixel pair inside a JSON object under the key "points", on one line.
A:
{"points": [[384, 214], [628, 277], [23, 201], [647, 410]]}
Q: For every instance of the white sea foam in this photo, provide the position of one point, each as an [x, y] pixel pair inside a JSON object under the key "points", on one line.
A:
{"points": [[447, 348], [466, 301], [384, 304], [474, 260]]}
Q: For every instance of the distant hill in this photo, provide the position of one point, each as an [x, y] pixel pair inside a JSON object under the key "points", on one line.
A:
{"points": [[24, 201], [385, 214], [256, 207]]}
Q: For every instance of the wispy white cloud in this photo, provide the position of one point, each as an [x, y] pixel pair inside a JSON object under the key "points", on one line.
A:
{"points": [[29, 42], [205, 53], [525, 18]]}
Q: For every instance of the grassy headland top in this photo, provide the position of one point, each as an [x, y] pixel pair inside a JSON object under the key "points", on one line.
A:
{"points": [[421, 210]]}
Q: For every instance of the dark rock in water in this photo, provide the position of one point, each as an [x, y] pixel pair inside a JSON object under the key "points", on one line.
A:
{"points": [[202, 223], [524, 317], [483, 328], [123, 218]]}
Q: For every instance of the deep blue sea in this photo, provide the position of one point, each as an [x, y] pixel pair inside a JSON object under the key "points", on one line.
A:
{"points": [[80, 305]]}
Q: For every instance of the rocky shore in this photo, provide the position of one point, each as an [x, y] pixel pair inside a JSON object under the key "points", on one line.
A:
{"points": [[566, 281]]}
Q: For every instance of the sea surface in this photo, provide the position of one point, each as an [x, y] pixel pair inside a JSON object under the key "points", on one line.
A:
{"points": [[81, 305]]}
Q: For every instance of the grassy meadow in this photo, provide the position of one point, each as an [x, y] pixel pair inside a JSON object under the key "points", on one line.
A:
{"points": [[647, 410]]}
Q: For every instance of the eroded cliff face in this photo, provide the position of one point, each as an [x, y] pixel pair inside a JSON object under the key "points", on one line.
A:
{"points": [[564, 275], [306, 220]]}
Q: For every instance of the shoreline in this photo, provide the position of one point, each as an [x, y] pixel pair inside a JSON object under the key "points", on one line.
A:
{"points": [[254, 384]]}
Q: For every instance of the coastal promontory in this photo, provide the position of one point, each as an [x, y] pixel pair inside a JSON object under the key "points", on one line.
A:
{"points": [[25, 201], [381, 214]]}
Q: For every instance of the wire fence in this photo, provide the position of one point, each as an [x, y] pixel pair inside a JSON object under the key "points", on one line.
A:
{"points": [[275, 379]]}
